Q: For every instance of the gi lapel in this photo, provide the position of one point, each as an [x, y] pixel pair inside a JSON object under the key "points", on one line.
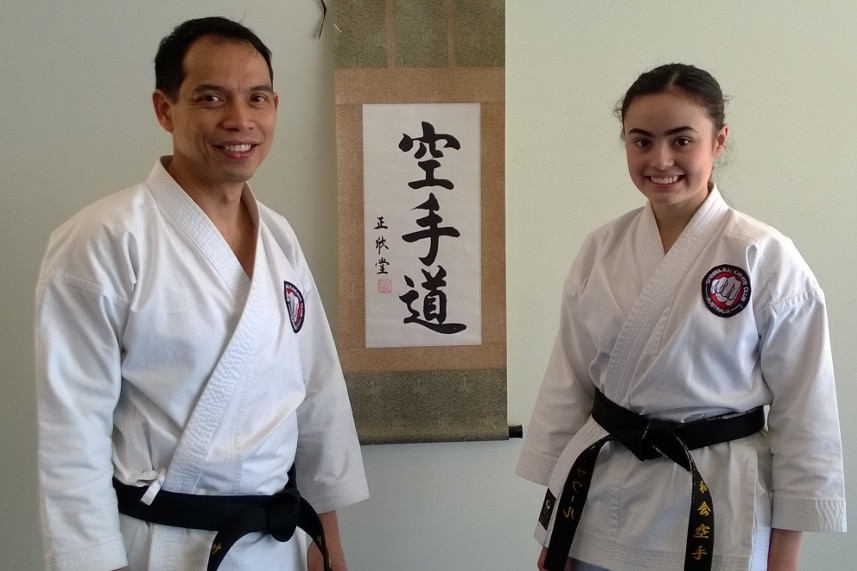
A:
{"points": [[168, 543], [656, 294], [231, 369]]}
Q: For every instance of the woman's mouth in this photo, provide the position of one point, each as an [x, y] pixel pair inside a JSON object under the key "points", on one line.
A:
{"points": [[665, 180]]}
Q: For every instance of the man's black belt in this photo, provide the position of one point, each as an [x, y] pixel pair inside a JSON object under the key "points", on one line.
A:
{"points": [[650, 438], [232, 517]]}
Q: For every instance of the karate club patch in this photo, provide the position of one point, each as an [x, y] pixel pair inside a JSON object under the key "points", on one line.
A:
{"points": [[726, 290], [295, 305]]}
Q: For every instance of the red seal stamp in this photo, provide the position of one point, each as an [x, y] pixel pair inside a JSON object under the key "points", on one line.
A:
{"points": [[385, 286]]}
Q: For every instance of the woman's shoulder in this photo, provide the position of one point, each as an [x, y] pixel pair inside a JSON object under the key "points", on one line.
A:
{"points": [[760, 237], [608, 234], [605, 240], [752, 227], [772, 257]]}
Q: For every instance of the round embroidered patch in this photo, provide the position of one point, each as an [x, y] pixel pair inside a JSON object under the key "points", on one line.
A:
{"points": [[295, 305], [726, 290]]}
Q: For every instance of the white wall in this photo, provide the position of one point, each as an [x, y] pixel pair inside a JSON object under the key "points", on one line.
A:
{"points": [[77, 124]]}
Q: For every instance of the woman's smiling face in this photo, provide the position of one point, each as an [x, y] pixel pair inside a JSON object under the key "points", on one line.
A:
{"points": [[671, 144]]}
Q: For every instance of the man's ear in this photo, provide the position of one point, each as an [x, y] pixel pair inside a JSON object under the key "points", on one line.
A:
{"points": [[163, 109]]}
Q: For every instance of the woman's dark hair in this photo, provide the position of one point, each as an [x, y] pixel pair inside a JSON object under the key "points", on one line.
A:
{"points": [[169, 68], [692, 82]]}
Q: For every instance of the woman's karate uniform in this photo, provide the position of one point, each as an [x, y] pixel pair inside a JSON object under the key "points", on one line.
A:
{"points": [[729, 319]]}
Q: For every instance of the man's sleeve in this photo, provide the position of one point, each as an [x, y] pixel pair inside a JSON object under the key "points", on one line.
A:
{"points": [[78, 383]]}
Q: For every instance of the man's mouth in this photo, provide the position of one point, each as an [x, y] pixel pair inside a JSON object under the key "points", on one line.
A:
{"points": [[237, 148]]}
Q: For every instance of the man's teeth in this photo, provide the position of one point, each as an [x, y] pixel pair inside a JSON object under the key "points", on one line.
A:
{"points": [[237, 148], [664, 180]]}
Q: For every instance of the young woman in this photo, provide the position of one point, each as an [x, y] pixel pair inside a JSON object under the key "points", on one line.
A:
{"points": [[689, 401]]}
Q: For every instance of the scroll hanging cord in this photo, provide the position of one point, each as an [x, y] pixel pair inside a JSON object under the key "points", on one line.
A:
{"points": [[323, 16]]}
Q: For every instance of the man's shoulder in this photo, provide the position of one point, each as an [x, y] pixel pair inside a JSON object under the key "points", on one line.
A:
{"points": [[278, 233], [276, 223], [271, 216], [115, 210]]}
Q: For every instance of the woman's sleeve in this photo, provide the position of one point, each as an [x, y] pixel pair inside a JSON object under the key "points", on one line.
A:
{"points": [[564, 401], [803, 421]]}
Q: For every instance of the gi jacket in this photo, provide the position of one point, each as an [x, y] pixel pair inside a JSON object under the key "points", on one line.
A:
{"points": [[162, 363], [729, 319]]}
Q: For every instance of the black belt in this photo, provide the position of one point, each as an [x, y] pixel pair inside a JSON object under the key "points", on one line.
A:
{"points": [[232, 517], [650, 438]]}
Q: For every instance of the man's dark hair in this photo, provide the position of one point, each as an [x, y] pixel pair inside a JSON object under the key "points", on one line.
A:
{"points": [[169, 61]]}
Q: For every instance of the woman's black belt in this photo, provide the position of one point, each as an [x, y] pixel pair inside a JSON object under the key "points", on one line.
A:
{"points": [[232, 517], [650, 438]]}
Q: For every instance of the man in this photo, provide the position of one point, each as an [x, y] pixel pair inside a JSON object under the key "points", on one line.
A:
{"points": [[182, 349]]}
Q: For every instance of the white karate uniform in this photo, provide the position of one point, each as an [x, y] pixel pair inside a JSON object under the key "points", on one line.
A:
{"points": [[160, 362], [635, 325]]}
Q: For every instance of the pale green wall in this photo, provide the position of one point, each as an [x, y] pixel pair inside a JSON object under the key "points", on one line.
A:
{"points": [[790, 68], [77, 124]]}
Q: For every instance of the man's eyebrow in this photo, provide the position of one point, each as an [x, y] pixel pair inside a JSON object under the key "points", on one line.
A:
{"points": [[207, 87], [674, 131], [214, 87]]}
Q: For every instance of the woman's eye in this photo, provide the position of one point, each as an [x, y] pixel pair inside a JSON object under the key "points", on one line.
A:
{"points": [[641, 143], [682, 142]]}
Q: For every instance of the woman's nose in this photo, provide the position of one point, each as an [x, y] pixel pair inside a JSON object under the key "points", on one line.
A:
{"points": [[662, 157]]}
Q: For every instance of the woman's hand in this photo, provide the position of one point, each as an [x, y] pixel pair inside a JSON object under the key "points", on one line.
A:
{"points": [[569, 565], [315, 562]]}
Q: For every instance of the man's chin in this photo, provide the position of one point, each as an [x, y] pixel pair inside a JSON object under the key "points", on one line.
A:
{"points": [[237, 176]]}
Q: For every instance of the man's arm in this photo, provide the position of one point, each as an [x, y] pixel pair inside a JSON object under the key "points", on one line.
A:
{"points": [[78, 378], [334, 546]]}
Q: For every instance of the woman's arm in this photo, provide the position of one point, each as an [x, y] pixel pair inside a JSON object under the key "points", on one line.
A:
{"points": [[784, 551], [330, 522]]}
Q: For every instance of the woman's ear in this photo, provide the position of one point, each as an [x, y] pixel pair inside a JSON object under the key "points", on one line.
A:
{"points": [[720, 140]]}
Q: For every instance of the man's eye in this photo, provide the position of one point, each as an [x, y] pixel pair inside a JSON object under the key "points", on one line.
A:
{"points": [[260, 98], [209, 98]]}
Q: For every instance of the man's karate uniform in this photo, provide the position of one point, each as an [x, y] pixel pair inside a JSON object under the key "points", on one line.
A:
{"points": [[162, 363], [665, 335]]}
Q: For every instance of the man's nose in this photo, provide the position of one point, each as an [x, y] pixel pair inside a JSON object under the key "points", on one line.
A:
{"points": [[237, 115]]}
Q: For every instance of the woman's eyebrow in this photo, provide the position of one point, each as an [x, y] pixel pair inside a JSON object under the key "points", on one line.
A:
{"points": [[674, 131]]}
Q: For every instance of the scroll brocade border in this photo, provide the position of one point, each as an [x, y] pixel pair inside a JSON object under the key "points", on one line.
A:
{"points": [[422, 394]]}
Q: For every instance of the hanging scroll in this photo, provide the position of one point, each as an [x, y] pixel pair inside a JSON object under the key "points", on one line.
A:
{"points": [[421, 330]]}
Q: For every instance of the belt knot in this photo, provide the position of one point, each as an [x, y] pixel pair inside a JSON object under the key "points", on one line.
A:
{"points": [[648, 438], [282, 514]]}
